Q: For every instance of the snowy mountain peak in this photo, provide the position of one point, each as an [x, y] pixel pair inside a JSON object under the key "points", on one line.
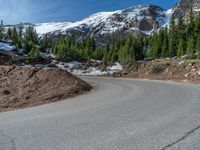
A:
{"points": [[103, 26]]}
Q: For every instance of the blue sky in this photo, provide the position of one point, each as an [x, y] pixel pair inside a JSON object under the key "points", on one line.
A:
{"points": [[37, 11]]}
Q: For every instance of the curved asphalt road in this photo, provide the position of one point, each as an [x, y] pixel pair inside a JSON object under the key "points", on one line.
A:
{"points": [[123, 114]]}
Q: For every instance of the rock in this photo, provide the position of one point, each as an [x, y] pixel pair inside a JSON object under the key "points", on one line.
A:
{"points": [[116, 74], [6, 92], [124, 73], [193, 70], [171, 73], [52, 66], [190, 64], [182, 62], [186, 75], [198, 73]]}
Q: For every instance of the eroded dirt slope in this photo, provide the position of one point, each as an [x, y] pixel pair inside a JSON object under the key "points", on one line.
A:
{"points": [[177, 70], [22, 87]]}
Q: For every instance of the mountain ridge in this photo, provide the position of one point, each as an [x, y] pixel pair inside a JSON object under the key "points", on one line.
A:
{"points": [[103, 27]]}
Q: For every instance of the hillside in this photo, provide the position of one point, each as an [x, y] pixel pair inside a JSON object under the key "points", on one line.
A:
{"points": [[163, 69]]}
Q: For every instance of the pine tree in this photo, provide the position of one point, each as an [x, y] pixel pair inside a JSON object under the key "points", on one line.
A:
{"points": [[165, 46], [14, 36], [34, 54], [9, 34], [180, 27], [190, 46], [105, 61], [190, 26], [198, 46], [45, 44], [191, 18], [127, 49], [180, 51], [30, 39], [161, 38], [1, 30], [172, 38], [154, 46]]}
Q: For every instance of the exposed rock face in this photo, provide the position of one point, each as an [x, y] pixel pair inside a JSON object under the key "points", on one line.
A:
{"points": [[183, 7]]}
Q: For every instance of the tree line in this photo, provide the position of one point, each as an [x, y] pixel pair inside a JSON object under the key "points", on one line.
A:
{"points": [[178, 39]]}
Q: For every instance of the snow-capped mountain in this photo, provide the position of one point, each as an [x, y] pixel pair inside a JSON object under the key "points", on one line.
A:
{"points": [[103, 26]]}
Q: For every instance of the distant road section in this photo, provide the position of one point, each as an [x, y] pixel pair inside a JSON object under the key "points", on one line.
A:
{"points": [[122, 114]]}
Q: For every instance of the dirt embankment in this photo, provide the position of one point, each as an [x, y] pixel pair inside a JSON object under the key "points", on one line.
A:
{"points": [[23, 87], [177, 70]]}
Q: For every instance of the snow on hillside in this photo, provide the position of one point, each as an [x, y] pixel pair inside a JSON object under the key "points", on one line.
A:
{"points": [[90, 21], [109, 22], [6, 47], [44, 28], [168, 15]]}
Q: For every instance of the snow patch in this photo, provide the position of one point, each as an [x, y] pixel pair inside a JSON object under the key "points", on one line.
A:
{"points": [[6, 47], [47, 55], [44, 28], [116, 67], [168, 15], [92, 71], [67, 65], [196, 9], [148, 32]]}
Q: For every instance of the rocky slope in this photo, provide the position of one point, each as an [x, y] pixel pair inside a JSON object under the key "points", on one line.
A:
{"points": [[164, 69], [182, 8]]}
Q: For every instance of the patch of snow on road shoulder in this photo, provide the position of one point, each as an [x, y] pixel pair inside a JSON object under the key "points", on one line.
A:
{"points": [[116, 67], [67, 65], [91, 71]]}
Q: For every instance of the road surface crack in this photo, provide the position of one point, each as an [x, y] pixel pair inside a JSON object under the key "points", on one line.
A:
{"points": [[182, 138], [12, 141]]}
